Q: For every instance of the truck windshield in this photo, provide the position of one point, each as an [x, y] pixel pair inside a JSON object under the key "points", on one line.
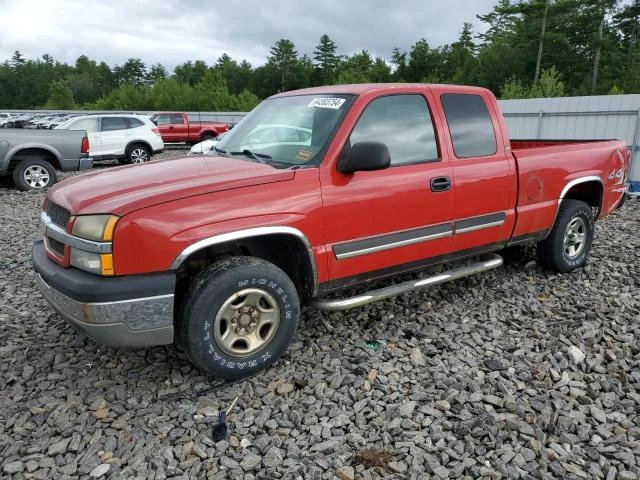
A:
{"points": [[287, 131]]}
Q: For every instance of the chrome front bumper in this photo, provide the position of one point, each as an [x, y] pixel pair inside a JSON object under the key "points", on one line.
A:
{"points": [[135, 322]]}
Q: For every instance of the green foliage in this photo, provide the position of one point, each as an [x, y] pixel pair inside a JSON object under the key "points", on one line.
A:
{"points": [[513, 89], [60, 96], [578, 47], [615, 90], [548, 85]]}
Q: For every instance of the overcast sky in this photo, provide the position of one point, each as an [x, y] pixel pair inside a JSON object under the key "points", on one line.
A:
{"points": [[174, 31]]}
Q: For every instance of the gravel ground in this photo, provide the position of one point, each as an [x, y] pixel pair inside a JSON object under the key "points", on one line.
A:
{"points": [[516, 373]]}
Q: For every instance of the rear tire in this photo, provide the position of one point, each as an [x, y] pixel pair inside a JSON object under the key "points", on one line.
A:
{"points": [[239, 316], [207, 136], [138, 153], [33, 174], [569, 243]]}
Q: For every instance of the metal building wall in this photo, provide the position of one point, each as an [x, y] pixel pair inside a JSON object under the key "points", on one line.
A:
{"points": [[578, 118]]}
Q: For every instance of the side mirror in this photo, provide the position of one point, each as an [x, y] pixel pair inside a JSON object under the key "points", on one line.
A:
{"points": [[365, 156]]}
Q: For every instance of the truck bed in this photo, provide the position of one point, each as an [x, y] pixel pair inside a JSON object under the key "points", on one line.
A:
{"points": [[546, 167], [525, 144]]}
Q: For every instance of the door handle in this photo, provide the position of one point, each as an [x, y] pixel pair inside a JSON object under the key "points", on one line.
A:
{"points": [[440, 184]]}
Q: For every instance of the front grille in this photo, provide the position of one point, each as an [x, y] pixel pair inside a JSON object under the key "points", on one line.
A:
{"points": [[56, 246], [59, 215]]}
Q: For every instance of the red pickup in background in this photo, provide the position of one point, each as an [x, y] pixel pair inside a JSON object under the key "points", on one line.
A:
{"points": [[353, 183], [176, 127]]}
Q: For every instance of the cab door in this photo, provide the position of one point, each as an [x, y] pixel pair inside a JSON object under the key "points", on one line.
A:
{"points": [[375, 220], [179, 128], [483, 170]]}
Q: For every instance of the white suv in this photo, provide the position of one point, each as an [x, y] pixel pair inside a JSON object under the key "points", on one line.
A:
{"points": [[127, 138]]}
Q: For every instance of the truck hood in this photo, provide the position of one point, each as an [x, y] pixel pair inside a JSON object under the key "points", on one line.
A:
{"points": [[122, 190]]}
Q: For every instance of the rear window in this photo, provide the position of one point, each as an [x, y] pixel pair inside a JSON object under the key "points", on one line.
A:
{"points": [[134, 123], [470, 125]]}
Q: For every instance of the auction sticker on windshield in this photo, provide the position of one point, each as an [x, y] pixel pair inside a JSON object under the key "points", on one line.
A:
{"points": [[324, 102]]}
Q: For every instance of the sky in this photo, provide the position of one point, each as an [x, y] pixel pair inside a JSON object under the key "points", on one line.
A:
{"points": [[174, 31]]}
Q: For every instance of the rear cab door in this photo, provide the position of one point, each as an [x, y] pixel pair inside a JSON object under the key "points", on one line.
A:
{"points": [[484, 170], [389, 219]]}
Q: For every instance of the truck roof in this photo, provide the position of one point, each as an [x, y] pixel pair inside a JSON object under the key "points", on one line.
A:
{"points": [[360, 88]]}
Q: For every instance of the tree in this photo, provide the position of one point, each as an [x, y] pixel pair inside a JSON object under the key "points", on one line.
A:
{"points": [[326, 59], [283, 57], [156, 73], [399, 61], [548, 85], [133, 71], [512, 89], [60, 96]]}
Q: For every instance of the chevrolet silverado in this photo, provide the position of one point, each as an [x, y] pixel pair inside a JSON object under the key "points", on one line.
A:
{"points": [[218, 252]]}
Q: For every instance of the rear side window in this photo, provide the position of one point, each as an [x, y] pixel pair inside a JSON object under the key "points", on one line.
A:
{"points": [[114, 123], [177, 119], [470, 125], [403, 123], [134, 123]]}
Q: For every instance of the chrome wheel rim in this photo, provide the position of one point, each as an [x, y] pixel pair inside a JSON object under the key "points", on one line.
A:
{"points": [[139, 155], [575, 237], [246, 323], [36, 176]]}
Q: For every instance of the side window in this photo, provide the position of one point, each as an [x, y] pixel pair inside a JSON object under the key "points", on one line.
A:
{"points": [[135, 122], [403, 123], [163, 119], [177, 119], [113, 123], [470, 125], [88, 124]]}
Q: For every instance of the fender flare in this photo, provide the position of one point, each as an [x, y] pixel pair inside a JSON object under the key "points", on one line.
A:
{"points": [[250, 233]]}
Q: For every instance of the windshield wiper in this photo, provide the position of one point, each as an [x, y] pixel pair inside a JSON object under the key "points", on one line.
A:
{"points": [[219, 150], [258, 157]]}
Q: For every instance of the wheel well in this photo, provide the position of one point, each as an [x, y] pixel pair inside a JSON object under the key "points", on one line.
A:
{"points": [[38, 153], [212, 133], [287, 252], [138, 142], [589, 192]]}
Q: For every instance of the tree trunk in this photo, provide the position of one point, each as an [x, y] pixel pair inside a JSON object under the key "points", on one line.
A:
{"points": [[596, 56], [541, 44]]}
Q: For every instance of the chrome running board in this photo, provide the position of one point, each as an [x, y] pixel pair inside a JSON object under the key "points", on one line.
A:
{"points": [[494, 261]]}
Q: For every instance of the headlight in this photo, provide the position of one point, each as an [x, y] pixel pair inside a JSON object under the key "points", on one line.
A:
{"points": [[100, 264], [98, 228]]}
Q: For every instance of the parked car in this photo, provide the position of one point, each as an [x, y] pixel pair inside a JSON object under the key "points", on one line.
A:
{"points": [[206, 147], [395, 178], [124, 137], [6, 120], [31, 158], [175, 127]]}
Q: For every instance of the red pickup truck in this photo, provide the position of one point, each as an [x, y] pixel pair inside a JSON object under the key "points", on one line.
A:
{"points": [[364, 182], [175, 127]]}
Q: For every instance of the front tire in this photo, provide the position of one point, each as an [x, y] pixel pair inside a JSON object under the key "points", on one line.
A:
{"points": [[34, 174], [138, 153], [569, 243], [239, 316]]}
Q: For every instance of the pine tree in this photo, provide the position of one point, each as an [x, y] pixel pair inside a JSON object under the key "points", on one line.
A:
{"points": [[326, 59], [283, 57]]}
